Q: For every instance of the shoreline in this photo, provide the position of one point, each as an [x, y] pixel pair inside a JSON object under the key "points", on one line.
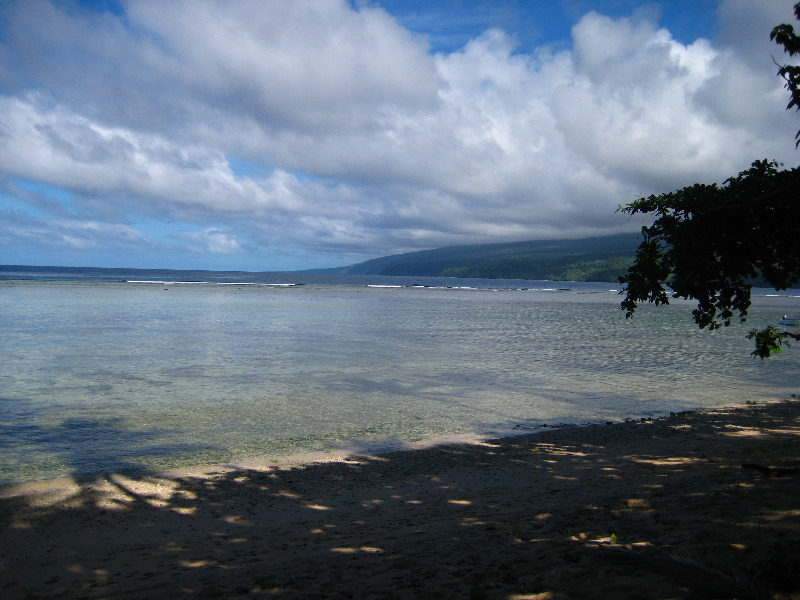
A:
{"points": [[648, 509], [311, 457], [261, 464]]}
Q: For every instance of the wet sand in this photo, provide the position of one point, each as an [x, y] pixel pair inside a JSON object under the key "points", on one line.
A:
{"points": [[652, 510]]}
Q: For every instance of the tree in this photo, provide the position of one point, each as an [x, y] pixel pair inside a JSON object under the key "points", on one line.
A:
{"points": [[785, 36], [711, 242]]}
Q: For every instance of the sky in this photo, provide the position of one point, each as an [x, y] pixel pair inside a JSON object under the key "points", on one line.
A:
{"points": [[271, 135]]}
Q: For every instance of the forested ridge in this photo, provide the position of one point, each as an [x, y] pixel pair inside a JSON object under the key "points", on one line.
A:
{"points": [[591, 259]]}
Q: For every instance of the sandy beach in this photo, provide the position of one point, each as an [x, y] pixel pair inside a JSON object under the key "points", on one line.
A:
{"points": [[697, 505]]}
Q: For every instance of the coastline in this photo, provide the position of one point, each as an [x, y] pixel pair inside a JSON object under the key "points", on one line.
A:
{"points": [[646, 509]]}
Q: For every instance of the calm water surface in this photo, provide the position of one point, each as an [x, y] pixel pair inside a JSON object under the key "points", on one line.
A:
{"points": [[110, 376]]}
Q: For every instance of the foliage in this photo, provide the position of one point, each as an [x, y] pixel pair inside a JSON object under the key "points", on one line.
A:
{"points": [[710, 242], [785, 36], [769, 340]]}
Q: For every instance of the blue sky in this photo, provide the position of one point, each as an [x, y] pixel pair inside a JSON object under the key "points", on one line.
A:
{"points": [[274, 135]]}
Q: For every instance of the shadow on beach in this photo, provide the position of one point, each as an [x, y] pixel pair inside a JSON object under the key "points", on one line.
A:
{"points": [[80, 446], [656, 509]]}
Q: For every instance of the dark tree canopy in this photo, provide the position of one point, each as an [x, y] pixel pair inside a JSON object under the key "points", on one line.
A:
{"points": [[785, 36], [710, 243]]}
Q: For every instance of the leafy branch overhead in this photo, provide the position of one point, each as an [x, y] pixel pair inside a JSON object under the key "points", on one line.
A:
{"points": [[770, 339], [785, 36], [709, 242]]}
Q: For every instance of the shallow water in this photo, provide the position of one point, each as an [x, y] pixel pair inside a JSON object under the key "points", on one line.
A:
{"points": [[102, 376]]}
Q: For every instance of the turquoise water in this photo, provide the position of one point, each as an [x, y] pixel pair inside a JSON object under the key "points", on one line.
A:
{"points": [[110, 376]]}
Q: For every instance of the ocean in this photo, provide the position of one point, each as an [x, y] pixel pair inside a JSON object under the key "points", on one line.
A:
{"points": [[137, 372]]}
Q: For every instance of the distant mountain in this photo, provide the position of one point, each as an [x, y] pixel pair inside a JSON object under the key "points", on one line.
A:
{"points": [[591, 259]]}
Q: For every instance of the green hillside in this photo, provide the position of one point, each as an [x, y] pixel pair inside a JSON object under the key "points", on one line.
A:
{"points": [[591, 259]]}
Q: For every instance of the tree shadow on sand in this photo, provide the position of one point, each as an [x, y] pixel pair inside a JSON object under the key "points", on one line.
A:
{"points": [[658, 509], [82, 449]]}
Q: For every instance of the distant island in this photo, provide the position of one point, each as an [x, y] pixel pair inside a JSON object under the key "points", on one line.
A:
{"points": [[603, 258]]}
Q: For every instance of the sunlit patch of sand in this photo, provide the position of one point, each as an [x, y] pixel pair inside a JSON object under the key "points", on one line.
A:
{"points": [[669, 462], [355, 550]]}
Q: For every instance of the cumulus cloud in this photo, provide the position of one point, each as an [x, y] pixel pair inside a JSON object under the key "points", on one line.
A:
{"points": [[362, 140], [142, 171], [302, 65], [214, 241], [71, 234]]}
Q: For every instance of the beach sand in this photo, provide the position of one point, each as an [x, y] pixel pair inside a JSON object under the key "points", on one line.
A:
{"points": [[652, 509]]}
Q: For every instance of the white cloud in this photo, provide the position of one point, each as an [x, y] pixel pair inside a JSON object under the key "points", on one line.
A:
{"points": [[139, 171], [71, 233], [214, 241], [365, 142], [307, 64]]}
